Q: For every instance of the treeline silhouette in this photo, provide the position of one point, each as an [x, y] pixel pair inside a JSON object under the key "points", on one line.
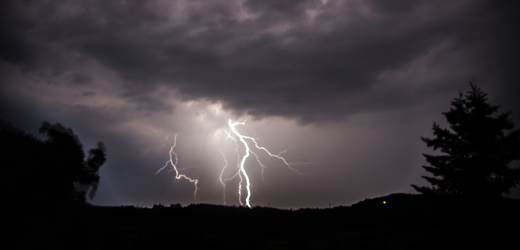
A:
{"points": [[397, 221]]}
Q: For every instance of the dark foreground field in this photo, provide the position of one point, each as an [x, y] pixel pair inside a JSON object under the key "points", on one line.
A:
{"points": [[404, 222]]}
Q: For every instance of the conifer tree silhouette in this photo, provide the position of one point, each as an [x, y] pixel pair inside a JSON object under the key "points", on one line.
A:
{"points": [[476, 151]]}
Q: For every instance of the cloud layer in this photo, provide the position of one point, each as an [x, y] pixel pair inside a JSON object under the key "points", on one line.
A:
{"points": [[357, 82], [308, 60]]}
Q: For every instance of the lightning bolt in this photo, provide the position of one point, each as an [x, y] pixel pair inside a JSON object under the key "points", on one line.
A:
{"points": [[174, 167], [243, 172], [241, 166], [240, 141]]}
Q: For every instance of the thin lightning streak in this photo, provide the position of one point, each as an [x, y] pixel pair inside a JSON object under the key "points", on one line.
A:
{"points": [[164, 143], [229, 136], [261, 165], [174, 166], [165, 165], [222, 173], [310, 162], [233, 177], [172, 170], [171, 150], [275, 156]]}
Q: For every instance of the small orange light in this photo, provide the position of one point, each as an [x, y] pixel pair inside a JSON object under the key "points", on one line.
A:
{"points": [[384, 202]]}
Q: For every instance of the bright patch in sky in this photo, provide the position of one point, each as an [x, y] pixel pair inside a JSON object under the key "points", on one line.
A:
{"points": [[239, 147]]}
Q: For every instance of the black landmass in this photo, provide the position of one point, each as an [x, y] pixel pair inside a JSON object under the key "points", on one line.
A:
{"points": [[396, 221]]}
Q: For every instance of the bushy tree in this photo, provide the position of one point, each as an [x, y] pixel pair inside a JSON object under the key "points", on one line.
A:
{"points": [[477, 151], [78, 174], [53, 171]]}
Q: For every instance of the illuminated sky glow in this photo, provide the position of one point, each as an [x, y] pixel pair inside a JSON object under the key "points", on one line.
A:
{"points": [[346, 86]]}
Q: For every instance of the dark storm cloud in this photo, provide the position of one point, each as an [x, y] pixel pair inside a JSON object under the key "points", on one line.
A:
{"points": [[131, 73], [81, 79], [301, 59]]}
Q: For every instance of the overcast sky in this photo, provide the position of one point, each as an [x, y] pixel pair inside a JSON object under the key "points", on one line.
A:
{"points": [[346, 87]]}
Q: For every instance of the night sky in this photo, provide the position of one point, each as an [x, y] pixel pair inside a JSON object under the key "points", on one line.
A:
{"points": [[347, 88]]}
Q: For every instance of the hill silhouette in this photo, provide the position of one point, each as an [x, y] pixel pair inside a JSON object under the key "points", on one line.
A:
{"points": [[396, 221]]}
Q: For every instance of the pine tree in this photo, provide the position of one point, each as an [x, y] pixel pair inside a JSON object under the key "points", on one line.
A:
{"points": [[477, 151]]}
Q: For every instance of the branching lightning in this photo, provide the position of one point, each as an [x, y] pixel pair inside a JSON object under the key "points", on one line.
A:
{"points": [[248, 152], [243, 143], [174, 167]]}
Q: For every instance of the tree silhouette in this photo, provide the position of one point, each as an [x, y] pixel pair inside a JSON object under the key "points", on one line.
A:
{"points": [[477, 150], [54, 171]]}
